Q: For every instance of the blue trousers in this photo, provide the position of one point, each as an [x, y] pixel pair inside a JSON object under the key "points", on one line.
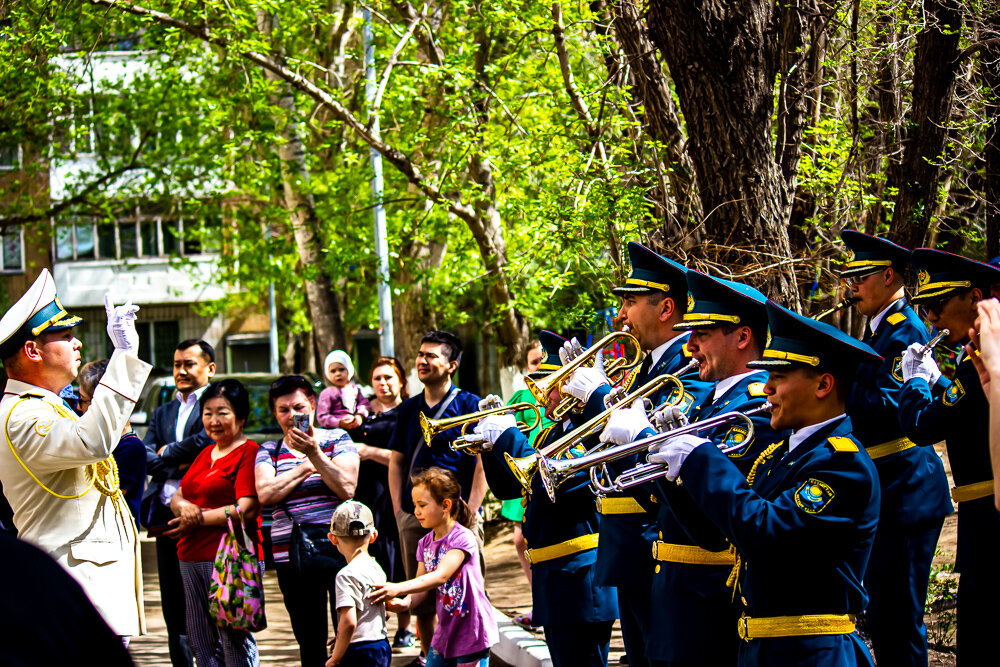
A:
{"points": [[897, 585], [368, 654], [633, 610], [579, 644]]}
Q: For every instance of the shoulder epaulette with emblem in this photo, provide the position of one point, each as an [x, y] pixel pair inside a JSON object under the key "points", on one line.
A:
{"points": [[685, 351], [756, 389], [896, 318], [842, 444]]}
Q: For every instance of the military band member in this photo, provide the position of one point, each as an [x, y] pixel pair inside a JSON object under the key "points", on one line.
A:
{"points": [[57, 469], [914, 486], [804, 519], [654, 298], [932, 409], [576, 612], [691, 600]]}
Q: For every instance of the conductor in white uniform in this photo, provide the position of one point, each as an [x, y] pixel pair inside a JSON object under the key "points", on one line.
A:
{"points": [[57, 469]]}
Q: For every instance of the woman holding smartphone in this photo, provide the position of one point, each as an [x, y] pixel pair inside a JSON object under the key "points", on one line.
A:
{"points": [[303, 477]]}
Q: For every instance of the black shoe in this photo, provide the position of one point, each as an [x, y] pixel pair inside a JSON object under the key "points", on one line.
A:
{"points": [[404, 639], [419, 661], [623, 660]]}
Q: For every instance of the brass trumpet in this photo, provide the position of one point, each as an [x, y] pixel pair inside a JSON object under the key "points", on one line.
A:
{"points": [[432, 427], [524, 467], [849, 301], [648, 472], [541, 388]]}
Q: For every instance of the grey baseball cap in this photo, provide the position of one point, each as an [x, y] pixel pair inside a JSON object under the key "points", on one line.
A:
{"points": [[352, 519]]}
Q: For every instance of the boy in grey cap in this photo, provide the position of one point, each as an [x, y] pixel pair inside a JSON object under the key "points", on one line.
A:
{"points": [[361, 634]]}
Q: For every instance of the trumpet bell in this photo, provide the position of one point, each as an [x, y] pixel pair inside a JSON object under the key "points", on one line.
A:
{"points": [[523, 468]]}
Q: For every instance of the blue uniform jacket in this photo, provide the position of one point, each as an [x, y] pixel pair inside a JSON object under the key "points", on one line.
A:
{"points": [[692, 600], [959, 414], [914, 484], [804, 533], [563, 590], [624, 557]]}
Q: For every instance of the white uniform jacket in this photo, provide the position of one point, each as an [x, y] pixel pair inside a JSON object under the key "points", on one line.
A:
{"points": [[93, 535]]}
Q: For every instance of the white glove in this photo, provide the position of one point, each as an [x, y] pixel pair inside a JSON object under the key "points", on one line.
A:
{"points": [[669, 418], [917, 365], [625, 424], [570, 350], [121, 324], [672, 453], [584, 380], [489, 429], [490, 402], [614, 396]]}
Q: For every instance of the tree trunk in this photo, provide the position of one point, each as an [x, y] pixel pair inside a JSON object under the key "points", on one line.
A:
{"points": [[934, 71], [722, 55], [989, 64], [659, 114], [323, 301]]}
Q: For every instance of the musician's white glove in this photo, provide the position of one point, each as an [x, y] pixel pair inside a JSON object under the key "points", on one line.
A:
{"points": [[669, 418], [586, 379], [121, 324], [490, 428], [625, 424], [672, 453], [918, 365], [490, 402], [570, 350]]}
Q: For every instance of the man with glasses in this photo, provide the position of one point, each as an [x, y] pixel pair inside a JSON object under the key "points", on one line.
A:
{"points": [[913, 482], [932, 409]]}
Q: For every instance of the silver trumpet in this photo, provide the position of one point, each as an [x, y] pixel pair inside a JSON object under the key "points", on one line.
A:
{"points": [[932, 343], [648, 472]]}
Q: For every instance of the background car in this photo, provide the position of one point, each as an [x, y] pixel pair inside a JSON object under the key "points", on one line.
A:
{"points": [[260, 426]]}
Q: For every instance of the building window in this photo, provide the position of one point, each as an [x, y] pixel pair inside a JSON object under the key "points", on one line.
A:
{"points": [[157, 341], [127, 238], [12, 257], [248, 353], [10, 158]]}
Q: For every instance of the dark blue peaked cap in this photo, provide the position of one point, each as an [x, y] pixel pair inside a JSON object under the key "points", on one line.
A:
{"points": [[940, 273], [713, 302], [869, 253], [652, 271], [795, 340], [551, 343]]}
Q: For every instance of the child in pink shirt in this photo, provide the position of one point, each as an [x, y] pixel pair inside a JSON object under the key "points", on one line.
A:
{"points": [[447, 559]]}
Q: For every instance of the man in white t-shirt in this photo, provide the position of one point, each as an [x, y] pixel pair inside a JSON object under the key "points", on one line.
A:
{"points": [[361, 633]]}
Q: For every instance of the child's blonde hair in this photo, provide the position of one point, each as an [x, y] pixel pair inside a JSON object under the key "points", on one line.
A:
{"points": [[443, 485]]}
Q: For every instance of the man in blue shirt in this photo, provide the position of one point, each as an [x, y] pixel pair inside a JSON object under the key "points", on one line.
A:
{"points": [[437, 360]]}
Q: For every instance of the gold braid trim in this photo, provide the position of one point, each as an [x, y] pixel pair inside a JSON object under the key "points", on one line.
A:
{"points": [[734, 575]]}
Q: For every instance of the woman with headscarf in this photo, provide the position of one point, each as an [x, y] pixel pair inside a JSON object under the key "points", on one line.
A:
{"points": [[341, 405]]}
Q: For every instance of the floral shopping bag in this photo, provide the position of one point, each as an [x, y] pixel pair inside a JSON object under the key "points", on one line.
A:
{"points": [[236, 594]]}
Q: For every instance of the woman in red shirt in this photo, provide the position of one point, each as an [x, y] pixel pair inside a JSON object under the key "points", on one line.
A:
{"points": [[220, 478]]}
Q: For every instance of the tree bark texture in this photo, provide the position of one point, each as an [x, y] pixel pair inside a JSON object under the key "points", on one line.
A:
{"points": [[659, 114], [722, 56], [989, 64], [323, 301], [934, 77]]}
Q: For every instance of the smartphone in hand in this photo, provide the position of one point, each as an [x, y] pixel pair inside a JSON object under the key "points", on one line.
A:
{"points": [[301, 422]]}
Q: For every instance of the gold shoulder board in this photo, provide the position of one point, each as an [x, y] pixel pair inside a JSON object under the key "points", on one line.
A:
{"points": [[756, 389], [896, 318], [841, 444]]}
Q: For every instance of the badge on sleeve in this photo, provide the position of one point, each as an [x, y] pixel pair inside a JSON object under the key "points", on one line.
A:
{"points": [[897, 368], [954, 393], [737, 437], [43, 427], [813, 496], [684, 403]]}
